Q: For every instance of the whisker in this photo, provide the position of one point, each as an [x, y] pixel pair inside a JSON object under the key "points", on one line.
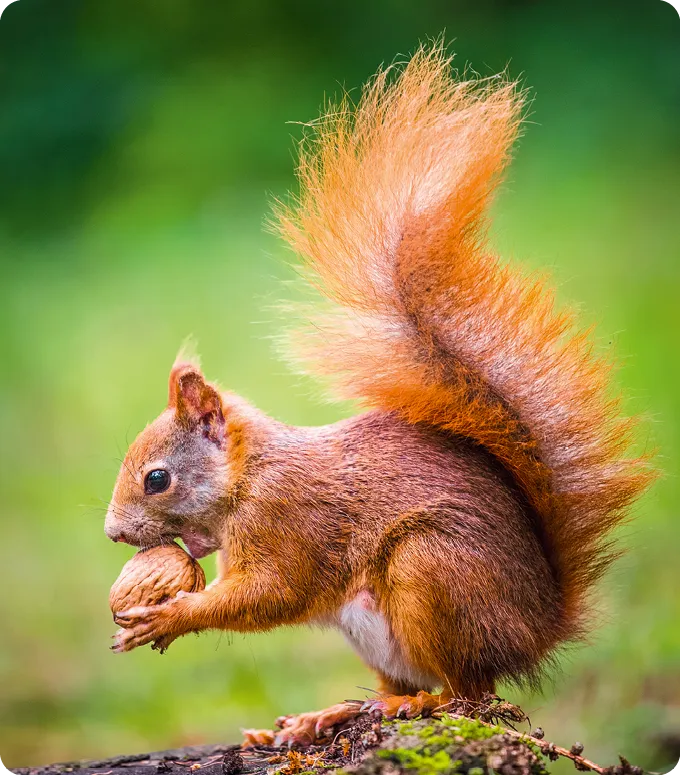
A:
{"points": [[125, 465], [89, 507], [129, 451], [130, 471], [122, 512]]}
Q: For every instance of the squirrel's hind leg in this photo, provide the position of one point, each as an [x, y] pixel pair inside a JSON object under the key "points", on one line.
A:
{"points": [[444, 604]]}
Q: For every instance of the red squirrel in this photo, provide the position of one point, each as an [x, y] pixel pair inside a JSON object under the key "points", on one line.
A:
{"points": [[454, 530]]}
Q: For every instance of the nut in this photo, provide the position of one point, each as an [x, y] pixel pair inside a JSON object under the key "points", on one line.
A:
{"points": [[154, 576]]}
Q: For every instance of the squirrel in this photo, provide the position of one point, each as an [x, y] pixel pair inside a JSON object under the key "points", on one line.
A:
{"points": [[453, 530]]}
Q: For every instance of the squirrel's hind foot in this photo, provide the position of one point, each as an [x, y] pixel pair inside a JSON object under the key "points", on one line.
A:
{"points": [[308, 728], [405, 705]]}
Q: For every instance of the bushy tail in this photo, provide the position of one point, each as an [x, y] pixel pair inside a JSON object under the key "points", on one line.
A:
{"points": [[424, 320]]}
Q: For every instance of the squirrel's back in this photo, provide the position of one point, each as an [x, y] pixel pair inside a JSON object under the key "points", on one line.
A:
{"points": [[425, 321]]}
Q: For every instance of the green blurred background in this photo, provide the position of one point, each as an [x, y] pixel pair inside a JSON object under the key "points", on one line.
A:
{"points": [[140, 145]]}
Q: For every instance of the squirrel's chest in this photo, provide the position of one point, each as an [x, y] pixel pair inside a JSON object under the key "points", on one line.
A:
{"points": [[369, 633]]}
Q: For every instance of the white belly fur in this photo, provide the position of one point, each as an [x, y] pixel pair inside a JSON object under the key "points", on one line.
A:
{"points": [[368, 632]]}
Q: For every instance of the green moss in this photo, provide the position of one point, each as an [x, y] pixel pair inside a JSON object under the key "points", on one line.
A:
{"points": [[445, 746], [447, 729], [421, 761]]}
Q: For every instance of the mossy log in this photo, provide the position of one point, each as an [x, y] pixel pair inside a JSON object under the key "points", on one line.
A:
{"points": [[444, 745]]}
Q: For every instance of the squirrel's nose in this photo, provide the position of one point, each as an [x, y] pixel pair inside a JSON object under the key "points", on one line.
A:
{"points": [[113, 533], [113, 529], [112, 525]]}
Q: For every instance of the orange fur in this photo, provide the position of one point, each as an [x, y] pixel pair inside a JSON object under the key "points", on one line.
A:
{"points": [[426, 321]]}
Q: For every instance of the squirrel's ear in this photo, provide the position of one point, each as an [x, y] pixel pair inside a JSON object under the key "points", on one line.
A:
{"points": [[179, 369], [196, 403]]}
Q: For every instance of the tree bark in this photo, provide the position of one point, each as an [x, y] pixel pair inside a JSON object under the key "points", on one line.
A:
{"points": [[448, 744]]}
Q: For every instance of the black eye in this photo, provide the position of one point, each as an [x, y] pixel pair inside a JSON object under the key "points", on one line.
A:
{"points": [[156, 481]]}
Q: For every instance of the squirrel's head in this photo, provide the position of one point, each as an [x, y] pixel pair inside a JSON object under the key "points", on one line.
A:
{"points": [[173, 481]]}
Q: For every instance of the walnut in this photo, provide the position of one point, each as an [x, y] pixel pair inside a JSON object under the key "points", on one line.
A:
{"points": [[154, 576]]}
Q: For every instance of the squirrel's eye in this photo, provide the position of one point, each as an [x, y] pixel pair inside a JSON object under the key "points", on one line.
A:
{"points": [[156, 481]]}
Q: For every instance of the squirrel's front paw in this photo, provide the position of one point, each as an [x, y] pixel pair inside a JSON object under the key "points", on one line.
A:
{"points": [[144, 624]]}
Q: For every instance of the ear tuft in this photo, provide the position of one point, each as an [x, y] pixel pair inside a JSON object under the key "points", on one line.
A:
{"points": [[188, 353]]}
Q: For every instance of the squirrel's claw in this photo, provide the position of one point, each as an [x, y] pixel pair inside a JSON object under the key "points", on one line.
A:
{"points": [[307, 728], [142, 625], [403, 706], [133, 616], [126, 640]]}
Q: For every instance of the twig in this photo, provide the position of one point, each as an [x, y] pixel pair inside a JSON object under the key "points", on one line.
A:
{"points": [[549, 749]]}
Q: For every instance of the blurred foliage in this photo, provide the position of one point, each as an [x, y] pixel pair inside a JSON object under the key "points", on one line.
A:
{"points": [[140, 143]]}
